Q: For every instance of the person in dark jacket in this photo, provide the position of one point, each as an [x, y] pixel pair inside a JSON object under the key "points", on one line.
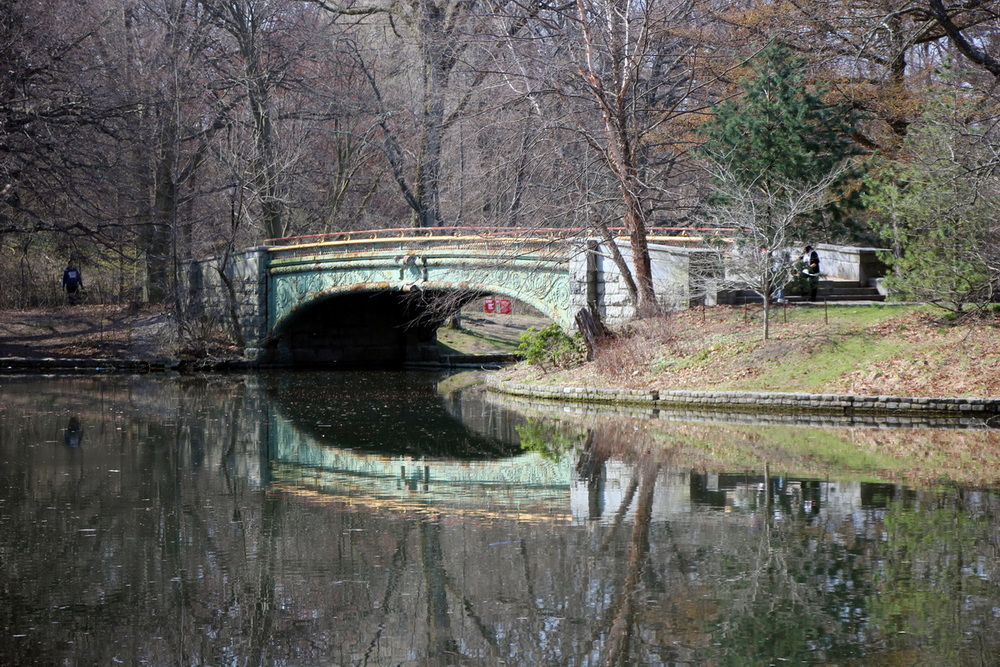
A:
{"points": [[810, 258], [72, 283]]}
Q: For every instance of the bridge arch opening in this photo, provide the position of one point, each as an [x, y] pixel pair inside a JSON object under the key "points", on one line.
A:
{"points": [[365, 328]]}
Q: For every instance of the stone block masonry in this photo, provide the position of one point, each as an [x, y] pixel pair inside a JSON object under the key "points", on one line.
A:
{"points": [[206, 294], [862, 265], [681, 277]]}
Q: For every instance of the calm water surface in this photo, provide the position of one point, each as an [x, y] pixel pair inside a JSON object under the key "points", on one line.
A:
{"points": [[380, 518]]}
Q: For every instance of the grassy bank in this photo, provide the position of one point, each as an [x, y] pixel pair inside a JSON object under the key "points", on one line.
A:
{"points": [[486, 334], [870, 350]]}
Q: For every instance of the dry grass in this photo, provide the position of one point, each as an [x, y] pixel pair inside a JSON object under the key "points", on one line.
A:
{"points": [[635, 348], [97, 332], [880, 350]]}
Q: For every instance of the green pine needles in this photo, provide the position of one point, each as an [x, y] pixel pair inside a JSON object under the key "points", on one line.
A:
{"points": [[938, 207], [778, 132]]}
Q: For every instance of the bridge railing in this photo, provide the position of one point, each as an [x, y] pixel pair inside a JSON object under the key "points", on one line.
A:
{"points": [[684, 235]]}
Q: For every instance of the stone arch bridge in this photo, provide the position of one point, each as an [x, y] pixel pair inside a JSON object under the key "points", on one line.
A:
{"points": [[370, 296]]}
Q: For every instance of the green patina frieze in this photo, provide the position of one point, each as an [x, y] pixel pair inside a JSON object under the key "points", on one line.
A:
{"points": [[540, 279]]}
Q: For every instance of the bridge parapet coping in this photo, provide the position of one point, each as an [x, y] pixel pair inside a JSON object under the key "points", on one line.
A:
{"points": [[673, 234], [499, 254]]}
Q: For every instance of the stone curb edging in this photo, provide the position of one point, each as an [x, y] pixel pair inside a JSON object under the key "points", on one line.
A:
{"points": [[27, 364], [13, 365], [753, 401]]}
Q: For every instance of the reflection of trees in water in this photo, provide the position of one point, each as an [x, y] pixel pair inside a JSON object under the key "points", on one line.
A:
{"points": [[130, 548], [621, 623], [261, 580], [791, 577], [938, 563], [794, 588], [440, 640], [179, 558], [905, 575], [623, 610]]}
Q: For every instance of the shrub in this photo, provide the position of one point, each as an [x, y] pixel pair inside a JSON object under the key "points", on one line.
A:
{"points": [[550, 345], [636, 348], [544, 437]]}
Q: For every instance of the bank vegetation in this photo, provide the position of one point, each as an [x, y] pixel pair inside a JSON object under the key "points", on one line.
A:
{"points": [[873, 350]]}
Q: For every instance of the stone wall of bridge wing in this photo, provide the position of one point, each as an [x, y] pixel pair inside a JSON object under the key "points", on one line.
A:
{"points": [[681, 277], [228, 292]]}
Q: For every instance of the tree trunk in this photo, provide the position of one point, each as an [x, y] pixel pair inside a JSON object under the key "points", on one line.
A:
{"points": [[594, 332], [264, 154], [436, 70], [646, 304], [157, 241]]}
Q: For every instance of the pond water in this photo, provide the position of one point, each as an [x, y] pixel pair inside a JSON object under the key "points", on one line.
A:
{"points": [[396, 518]]}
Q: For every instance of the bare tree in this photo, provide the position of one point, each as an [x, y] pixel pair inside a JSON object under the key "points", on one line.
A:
{"points": [[767, 215], [968, 25], [263, 63], [451, 47], [58, 118], [67, 125], [631, 76], [162, 62]]}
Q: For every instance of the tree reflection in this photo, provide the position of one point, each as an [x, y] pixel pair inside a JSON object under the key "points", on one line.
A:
{"points": [[166, 539], [440, 641], [792, 565], [938, 564], [623, 610]]}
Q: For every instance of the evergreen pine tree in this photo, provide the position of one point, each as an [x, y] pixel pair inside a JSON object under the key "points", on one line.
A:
{"points": [[779, 132], [938, 208]]}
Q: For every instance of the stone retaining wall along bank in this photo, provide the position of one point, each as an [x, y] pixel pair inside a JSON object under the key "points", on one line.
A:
{"points": [[756, 401], [681, 277]]}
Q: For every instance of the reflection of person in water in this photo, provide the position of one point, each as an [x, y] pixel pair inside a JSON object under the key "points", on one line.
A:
{"points": [[73, 435]]}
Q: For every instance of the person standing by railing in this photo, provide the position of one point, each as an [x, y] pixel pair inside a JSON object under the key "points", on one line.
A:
{"points": [[810, 258]]}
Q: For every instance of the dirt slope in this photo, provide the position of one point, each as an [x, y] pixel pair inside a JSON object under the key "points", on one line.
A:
{"points": [[85, 332]]}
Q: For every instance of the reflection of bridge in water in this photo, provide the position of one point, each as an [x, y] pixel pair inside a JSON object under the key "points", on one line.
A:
{"points": [[525, 486], [483, 472], [607, 497], [494, 489], [456, 454], [530, 487]]}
